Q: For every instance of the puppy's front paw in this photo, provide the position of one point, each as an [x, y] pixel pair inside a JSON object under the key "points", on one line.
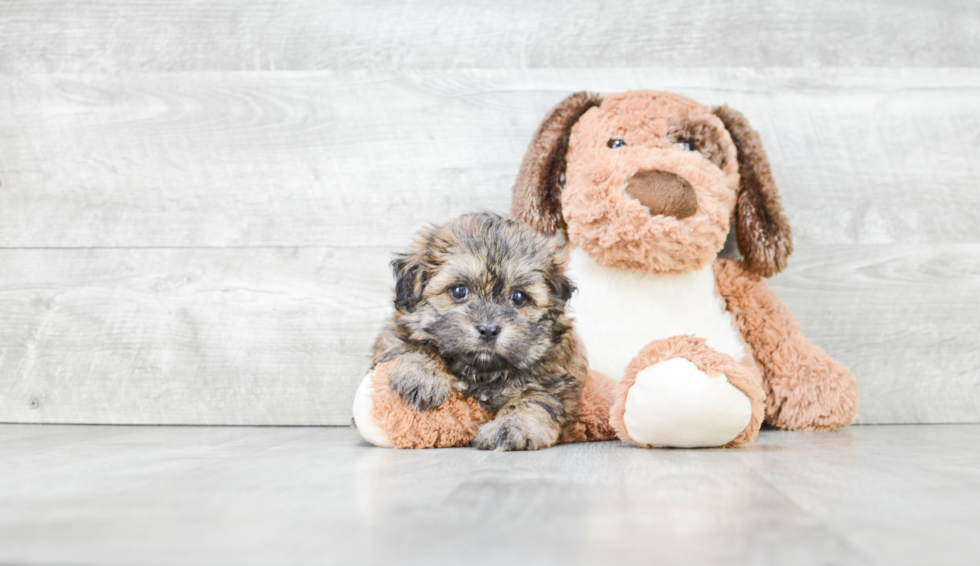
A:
{"points": [[418, 387], [515, 432]]}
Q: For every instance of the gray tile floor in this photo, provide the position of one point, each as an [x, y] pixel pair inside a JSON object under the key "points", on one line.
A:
{"points": [[214, 495]]}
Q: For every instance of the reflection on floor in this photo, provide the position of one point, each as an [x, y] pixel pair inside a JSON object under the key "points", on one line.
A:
{"points": [[221, 495]]}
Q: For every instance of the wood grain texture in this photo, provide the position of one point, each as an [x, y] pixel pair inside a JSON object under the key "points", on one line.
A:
{"points": [[363, 158], [903, 318], [227, 35], [198, 200], [171, 336], [899, 495], [282, 335]]}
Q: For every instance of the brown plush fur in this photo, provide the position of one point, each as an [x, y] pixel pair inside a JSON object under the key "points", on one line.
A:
{"points": [[616, 229], [805, 388], [461, 326], [617, 413], [574, 177], [454, 423], [708, 360], [593, 415], [764, 236], [537, 191]]}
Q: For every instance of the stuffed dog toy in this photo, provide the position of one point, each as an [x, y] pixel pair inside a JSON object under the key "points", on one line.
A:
{"points": [[646, 186]]}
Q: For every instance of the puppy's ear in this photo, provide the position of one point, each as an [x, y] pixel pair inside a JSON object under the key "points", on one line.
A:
{"points": [[563, 288], [537, 191], [410, 275], [764, 236], [560, 286]]}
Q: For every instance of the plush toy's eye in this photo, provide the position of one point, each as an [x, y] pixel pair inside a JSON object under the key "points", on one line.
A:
{"points": [[459, 292], [519, 298], [685, 145], [615, 142]]}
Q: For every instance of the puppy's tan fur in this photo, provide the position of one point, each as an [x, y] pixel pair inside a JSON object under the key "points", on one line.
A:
{"points": [[529, 374]]}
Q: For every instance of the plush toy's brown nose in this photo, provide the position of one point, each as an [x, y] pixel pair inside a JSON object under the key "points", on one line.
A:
{"points": [[663, 193]]}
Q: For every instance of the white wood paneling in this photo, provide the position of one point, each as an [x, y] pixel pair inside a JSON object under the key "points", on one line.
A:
{"points": [[362, 158], [188, 336], [198, 201], [231, 35], [282, 335]]}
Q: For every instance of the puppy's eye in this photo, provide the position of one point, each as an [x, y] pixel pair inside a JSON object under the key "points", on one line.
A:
{"points": [[615, 142], [459, 292], [685, 145], [519, 298]]}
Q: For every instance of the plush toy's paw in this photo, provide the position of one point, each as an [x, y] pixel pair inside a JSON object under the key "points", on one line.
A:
{"points": [[681, 393], [384, 419], [674, 403], [516, 431], [417, 385]]}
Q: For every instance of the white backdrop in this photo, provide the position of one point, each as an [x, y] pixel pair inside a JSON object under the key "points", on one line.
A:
{"points": [[198, 201]]}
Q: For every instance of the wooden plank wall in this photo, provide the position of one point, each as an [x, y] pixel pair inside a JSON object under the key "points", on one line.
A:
{"points": [[198, 200]]}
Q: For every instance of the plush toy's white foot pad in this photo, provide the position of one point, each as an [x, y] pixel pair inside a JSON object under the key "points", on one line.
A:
{"points": [[362, 416], [673, 403]]}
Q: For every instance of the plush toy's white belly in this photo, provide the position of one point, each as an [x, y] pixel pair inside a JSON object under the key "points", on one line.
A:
{"points": [[618, 312]]}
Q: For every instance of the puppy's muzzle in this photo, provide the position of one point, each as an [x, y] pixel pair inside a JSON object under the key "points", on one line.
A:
{"points": [[488, 331], [663, 193]]}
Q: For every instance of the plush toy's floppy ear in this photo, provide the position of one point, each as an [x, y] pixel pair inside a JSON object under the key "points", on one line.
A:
{"points": [[764, 236], [537, 191]]}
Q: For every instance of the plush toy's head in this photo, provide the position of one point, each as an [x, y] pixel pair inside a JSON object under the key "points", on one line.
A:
{"points": [[651, 181]]}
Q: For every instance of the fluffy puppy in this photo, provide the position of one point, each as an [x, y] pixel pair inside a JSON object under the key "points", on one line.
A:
{"points": [[480, 310]]}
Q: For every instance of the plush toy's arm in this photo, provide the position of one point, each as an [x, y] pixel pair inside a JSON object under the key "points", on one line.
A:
{"points": [[598, 396], [805, 388], [383, 418]]}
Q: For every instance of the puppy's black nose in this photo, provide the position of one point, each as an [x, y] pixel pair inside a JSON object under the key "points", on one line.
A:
{"points": [[488, 330]]}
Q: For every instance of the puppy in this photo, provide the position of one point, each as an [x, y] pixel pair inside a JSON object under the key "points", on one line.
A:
{"points": [[480, 310]]}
